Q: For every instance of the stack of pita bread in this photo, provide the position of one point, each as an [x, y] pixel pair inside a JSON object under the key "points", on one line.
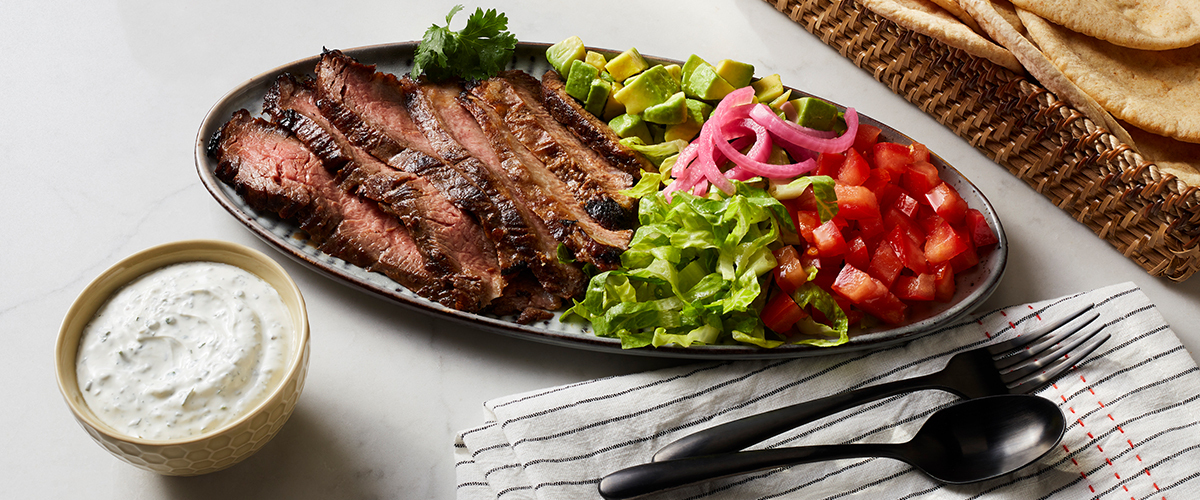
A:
{"points": [[1132, 66]]}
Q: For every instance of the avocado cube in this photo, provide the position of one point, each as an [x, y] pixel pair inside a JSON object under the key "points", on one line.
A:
{"points": [[597, 97], [814, 113], [778, 101], [697, 114], [626, 64], [736, 73], [561, 54], [671, 112], [595, 59], [705, 84], [628, 125], [676, 71], [580, 81], [766, 89], [651, 87], [612, 107], [698, 110], [690, 66]]}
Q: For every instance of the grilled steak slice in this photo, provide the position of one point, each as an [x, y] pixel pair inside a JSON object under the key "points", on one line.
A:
{"points": [[454, 134], [589, 129], [453, 244], [536, 185], [597, 182], [273, 172]]}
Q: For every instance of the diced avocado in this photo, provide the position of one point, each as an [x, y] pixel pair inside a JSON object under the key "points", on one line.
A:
{"points": [[597, 97], [778, 101], [697, 114], [736, 73], [595, 59], [766, 89], [626, 64], [698, 110], [653, 86], [561, 54], [814, 113], [671, 112], [580, 81], [676, 71], [628, 125], [705, 84], [690, 66], [612, 107]]}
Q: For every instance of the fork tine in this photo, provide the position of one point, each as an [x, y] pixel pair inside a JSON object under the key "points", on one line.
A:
{"points": [[1065, 330], [1052, 372], [1012, 345], [1038, 365]]}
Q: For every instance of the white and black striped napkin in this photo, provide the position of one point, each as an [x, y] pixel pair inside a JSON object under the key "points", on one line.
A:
{"points": [[1132, 409]]}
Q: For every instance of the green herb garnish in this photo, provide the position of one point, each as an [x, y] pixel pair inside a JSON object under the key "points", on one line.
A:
{"points": [[477, 52]]}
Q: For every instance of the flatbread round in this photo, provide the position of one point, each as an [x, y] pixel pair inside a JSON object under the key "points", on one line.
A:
{"points": [[957, 11], [929, 19], [1142, 24], [1158, 91], [1181, 159], [1041, 68]]}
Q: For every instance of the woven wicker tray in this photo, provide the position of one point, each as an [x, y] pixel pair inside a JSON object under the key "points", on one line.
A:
{"points": [[1150, 217]]}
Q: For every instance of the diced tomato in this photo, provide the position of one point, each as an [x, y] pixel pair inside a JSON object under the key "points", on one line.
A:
{"points": [[877, 180], [866, 136], [891, 158], [906, 204], [919, 151], [870, 228], [947, 203], [781, 313], [910, 254], [929, 221], [893, 219], [829, 239], [888, 308], [858, 286], [830, 163], [885, 265], [854, 170], [920, 177], [789, 272], [919, 287], [943, 282], [856, 202], [966, 259], [858, 255], [981, 233], [806, 221], [943, 244]]}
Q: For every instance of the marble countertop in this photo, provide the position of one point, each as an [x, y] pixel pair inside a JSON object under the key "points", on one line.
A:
{"points": [[102, 103]]}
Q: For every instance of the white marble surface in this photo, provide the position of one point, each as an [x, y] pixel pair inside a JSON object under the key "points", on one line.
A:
{"points": [[101, 104]]}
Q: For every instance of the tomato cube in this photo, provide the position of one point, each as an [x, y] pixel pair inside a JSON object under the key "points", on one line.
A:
{"points": [[943, 282], [866, 136], [854, 170], [918, 151], [885, 265], [947, 203], [920, 177], [877, 180], [869, 228], [919, 287], [966, 259], [943, 244], [893, 219], [891, 158], [789, 272], [806, 221], [888, 308], [829, 239], [906, 204], [781, 313], [981, 233], [830, 163], [858, 255], [858, 286], [856, 202], [907, 249]]}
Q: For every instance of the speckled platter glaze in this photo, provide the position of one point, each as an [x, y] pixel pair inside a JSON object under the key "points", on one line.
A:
{"points": [[973, 287]]}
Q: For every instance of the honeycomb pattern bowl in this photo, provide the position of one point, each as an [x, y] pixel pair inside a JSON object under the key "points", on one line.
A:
{"points": [[222, 447]]}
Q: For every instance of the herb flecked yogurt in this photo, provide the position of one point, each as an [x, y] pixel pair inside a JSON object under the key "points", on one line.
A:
{"points": [[184, 350]]}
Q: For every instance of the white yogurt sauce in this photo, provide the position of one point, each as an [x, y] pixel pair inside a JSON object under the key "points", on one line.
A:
{"points": [[184, 350]]}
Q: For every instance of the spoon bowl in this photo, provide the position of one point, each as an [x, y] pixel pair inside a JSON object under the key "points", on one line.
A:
{"points": [[974, 440]]}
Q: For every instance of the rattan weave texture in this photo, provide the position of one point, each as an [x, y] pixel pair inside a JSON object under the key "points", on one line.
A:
{"points": [[1151, 218]]}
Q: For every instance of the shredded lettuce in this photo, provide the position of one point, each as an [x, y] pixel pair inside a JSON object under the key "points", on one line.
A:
{"points": [[693, 272]]}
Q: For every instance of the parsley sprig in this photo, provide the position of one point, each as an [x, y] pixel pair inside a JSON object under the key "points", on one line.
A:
{"points": [[477, 52]]}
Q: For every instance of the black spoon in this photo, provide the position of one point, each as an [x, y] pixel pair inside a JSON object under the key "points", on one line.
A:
{"points": [[971, 441]]}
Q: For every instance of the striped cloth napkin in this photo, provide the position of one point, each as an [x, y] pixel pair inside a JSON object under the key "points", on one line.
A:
{"points": [[1132, 411]]}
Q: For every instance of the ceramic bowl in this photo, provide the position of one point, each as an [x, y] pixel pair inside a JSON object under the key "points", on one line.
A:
{"points": [[221, 447]]}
